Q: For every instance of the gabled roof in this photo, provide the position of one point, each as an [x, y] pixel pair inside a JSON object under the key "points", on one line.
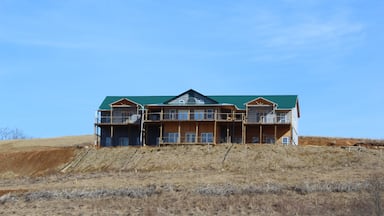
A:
{"points": [[123, 102], [260, 101], [192, 94], [143, 100], [282, 101]]}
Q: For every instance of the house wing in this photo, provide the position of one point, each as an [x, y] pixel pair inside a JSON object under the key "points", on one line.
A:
{"points": [[191, 97]]}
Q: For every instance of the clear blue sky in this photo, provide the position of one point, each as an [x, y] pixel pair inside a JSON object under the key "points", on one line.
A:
{"points": [[59, 59]]}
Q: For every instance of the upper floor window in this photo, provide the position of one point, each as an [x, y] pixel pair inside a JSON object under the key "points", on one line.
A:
{"points": [[281, 117], [170, 114], [261, 117], [125, 116], [210, 114], [183, 114], [199, 115]]}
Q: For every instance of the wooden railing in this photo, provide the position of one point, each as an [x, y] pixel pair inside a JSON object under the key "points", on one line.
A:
{"points": [[193, 116], [268, 119], [122, 120]]}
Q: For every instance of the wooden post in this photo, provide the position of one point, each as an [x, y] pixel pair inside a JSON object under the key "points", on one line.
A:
{"points": [[275, 133], [197, 132], [244, 134], [161, 114], [214, 131], [179, 132], [261, 134], [227, 133], [161, 134], [112, 140], [111, 122]]}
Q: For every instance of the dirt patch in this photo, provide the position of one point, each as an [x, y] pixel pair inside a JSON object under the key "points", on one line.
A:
{"points": [[336, 141], [19, 191], [41, 161]]}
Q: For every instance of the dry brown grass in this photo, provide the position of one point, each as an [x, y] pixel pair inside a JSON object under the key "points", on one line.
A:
{"points": [[32, 144], [193, 180]]}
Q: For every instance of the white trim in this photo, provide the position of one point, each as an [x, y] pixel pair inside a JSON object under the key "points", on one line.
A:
{"points": [[246, 104], [110, 105]]}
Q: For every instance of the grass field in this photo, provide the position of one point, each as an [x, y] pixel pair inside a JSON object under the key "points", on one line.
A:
{"points": [[60, 176]]}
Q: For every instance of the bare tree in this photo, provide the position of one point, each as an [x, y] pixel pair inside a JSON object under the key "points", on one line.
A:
{"points": [[8, 134]]}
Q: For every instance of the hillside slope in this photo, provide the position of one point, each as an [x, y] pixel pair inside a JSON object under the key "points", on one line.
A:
{"points": [[196, 179]]}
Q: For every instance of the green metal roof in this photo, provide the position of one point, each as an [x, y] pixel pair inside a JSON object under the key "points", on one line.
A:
{"points": [[282, 101], [143, 100]]}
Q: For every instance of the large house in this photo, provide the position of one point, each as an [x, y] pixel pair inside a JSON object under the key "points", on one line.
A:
{"points": [[194, 118]]}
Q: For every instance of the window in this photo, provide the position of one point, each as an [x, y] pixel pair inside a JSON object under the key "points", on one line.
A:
{"points": [[199, 114], [108, 141], [281, 118], [170, 114], [125, 116], [105, 118], [190, 137], [123, 141], [261, 117], [210, 114], [285, 140], [183, 115], [206, 137], [255, 140], [173, 137]]}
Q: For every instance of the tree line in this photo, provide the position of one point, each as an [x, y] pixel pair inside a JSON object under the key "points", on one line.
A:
{"points": [[11, 133]]}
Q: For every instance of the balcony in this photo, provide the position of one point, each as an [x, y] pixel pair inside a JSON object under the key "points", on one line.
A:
{"points": [[118, 120], [267, 119], [192, 116]]}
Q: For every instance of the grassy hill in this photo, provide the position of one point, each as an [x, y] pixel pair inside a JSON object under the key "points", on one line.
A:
{"points": [[60, 175]]}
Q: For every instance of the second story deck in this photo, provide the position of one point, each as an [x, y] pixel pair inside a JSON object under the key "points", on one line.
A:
{"points": [[192, 116]]}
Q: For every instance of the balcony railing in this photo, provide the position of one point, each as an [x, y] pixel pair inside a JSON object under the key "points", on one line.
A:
{"points": [[193, 116], [120, 120], [268, 119]]}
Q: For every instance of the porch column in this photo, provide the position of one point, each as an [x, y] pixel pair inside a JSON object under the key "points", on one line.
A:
{"points": [[261, 134], [228, 134], [161, 114], [275, 134], [96, 136], [112, 131], [179, 132], [197, 132], [244, 134], [214, 132], [161, 134], [111, 122]]}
